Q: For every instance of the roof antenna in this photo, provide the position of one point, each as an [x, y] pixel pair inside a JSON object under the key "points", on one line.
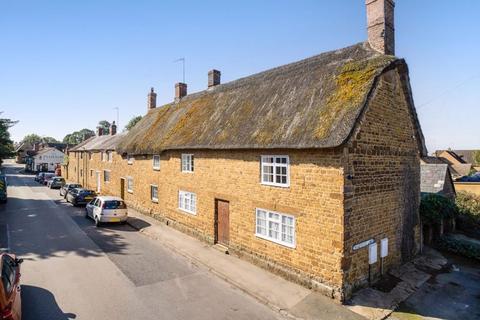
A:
{"points": [[183, 64]]}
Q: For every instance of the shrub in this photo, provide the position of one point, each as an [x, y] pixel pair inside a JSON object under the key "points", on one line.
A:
{"points": [[434, 208], [462, 247], [469, 213]]}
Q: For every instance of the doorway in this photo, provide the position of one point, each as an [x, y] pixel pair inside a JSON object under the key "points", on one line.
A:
{"points": [[98, 181], [222, 222], [122, 188]]}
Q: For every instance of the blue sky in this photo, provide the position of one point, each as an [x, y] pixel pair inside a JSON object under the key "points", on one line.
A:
{"points": [[65, 65]]}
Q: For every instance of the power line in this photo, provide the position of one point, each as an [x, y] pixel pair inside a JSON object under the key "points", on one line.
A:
{"points": [[447, 91]]}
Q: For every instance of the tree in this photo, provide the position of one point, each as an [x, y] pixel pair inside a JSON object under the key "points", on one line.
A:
{"points": [[31, 139], [6, 144], [105, 125], [476, 157], [133, 122], [78, 136]]}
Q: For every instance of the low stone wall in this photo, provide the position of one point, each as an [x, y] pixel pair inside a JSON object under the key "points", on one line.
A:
{"points": [[473, 187]]}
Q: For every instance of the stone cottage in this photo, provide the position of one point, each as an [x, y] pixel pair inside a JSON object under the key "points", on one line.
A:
{"points": [[303, 169]]}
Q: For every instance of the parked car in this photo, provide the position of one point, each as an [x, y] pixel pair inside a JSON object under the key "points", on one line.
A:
{"points": [[56, 183], [67, 187], [39, 176], [10, 298], [79, 196], [3, 189], [47, 177], [106, 209]]}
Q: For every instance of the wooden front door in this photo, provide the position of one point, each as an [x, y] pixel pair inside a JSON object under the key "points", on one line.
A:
{"points": [[222, 221], [122, 188]]}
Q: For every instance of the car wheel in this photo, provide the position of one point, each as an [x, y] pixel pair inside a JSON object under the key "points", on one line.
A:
{"points": [[97, 222]]}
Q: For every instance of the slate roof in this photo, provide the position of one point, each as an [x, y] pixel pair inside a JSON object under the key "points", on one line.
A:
{"points": [[313, 103], [433, 177], [466, 155], [99, 143]]}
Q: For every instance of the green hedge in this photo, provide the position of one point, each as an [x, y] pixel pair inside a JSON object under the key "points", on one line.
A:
{"points": [[468, 221], [434, 208], [459, 246]]}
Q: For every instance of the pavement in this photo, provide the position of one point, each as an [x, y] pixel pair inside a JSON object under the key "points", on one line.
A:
{"points": [[73, 270], [287, 298]]}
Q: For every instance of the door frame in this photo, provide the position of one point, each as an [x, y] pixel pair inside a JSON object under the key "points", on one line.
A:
{"points": [[216, 220], [122, 188], [98, 181]]}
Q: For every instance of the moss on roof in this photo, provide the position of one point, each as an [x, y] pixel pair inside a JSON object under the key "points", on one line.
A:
{"points": [[313, 103]]}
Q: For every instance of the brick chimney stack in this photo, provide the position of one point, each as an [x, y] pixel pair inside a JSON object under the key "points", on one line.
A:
{"points": [[152, 99], [99, 131], [380, 25], [180, 90], [113, 129], [213, 78]]}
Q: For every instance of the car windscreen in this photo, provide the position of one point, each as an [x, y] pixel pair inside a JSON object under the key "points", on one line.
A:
{"points": [[73, 186], [86, 192], [114, 204]]}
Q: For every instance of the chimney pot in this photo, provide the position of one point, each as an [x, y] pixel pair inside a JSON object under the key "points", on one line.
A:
{"points": [[113, 129], [213, 78], [380, 25], [152, 99], [180, 90]]}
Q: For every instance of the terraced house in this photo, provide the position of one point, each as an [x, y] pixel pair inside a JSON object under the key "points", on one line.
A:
{"points": [[303, 169]]}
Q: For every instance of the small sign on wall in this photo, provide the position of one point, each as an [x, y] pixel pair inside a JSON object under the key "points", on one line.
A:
{"points": [[372, 253], [384, 248], [362, 244]]}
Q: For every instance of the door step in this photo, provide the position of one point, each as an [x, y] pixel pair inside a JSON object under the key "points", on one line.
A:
{"points": [[220, 247]]}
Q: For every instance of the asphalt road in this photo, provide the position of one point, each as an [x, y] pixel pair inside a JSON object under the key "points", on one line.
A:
{"points": [[73, 270]]}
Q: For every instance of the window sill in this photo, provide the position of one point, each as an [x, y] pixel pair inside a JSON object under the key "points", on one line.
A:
{"points": [[156, 169], [187, 211], [275, 185], [130, 191], [283, 244], [187, 171], [155, 200]]}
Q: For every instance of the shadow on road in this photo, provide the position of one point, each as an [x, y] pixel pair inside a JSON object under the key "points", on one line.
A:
{"points": [[40, 304]]}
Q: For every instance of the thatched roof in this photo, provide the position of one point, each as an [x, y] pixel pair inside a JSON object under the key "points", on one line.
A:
{"points": [[99, 143], [313, 103]]}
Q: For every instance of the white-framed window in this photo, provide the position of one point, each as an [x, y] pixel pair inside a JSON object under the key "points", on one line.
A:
{"points": [[156, 162], [130, 184], [187, 162], [109, 156], [187, 201], [130, 159], [275, 170], [275, 226], [106, 175], [154, 192]]}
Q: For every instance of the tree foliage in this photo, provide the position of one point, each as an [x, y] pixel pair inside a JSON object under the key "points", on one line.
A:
{"points": [[32, 138], [77, 137], [476, 157], [434, 208], [133, 122], [6, 143], [105, 125]]}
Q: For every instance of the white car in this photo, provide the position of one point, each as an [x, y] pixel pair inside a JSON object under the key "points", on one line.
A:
{"points": [[106, 209]]}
